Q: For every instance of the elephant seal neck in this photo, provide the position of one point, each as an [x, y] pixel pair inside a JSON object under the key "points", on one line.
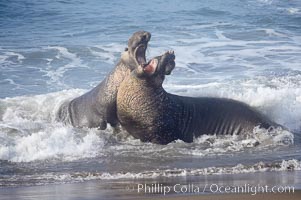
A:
{"points": [[139, 101], [139, 91], [128, 61]]}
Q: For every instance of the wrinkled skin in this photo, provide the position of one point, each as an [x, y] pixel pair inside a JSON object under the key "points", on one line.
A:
{"points": [[151, 114], [97, 107]]}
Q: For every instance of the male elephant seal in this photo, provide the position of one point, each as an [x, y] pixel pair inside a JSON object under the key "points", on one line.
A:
{"points": [[151, 114], [97, 107]]}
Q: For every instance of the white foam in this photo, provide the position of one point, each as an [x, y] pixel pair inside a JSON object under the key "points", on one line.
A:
{"points": [[56, 75], [272, 32], [284, 165], [59, 142], [64, 52], [207, 145], [38, 108], [220, 35], [108, 52], [29, 131], [8, 80], [269, 2], [293, 10], [5, 58]]}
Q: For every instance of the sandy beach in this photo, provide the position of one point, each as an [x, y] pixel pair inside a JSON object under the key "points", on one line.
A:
{"points": [[148, 189], [295, 196], [89, 192]]}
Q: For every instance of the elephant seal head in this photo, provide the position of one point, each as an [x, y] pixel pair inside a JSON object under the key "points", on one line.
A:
{"points": [[134, 54], [155, 70]]}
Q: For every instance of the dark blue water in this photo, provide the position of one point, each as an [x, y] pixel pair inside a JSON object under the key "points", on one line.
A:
{"points": [[51, 51], [95, 32]]}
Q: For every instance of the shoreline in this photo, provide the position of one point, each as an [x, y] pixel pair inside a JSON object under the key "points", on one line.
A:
{"points": [[128, 189]]}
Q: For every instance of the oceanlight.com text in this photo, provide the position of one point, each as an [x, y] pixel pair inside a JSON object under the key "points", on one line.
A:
{"points": [[158, 188]]}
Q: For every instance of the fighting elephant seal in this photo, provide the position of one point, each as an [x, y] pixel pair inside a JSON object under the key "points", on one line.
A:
{"points": [[97, 107], [151, 114]]}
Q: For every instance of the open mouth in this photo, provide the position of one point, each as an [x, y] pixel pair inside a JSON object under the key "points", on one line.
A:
{"points": [[151, 67], [140, 54], [165, 63]]}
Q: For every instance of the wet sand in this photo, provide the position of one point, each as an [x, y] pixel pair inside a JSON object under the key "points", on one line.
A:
{"points": [[128, 189], [85, 191], [295, 196]]}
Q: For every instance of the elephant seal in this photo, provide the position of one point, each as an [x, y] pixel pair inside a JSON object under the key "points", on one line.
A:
{"points": [[150, 114], [97, 107]]}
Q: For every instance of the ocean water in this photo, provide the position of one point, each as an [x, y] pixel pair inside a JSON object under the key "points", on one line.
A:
{"points": [[51, 51]]}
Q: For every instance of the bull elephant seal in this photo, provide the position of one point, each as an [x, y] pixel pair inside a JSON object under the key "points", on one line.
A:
{"points": [[151, 114], [97, 107]]}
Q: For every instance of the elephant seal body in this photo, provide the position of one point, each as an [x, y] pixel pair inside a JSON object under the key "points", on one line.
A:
{"points": [[97, 107], [151, 114]]}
